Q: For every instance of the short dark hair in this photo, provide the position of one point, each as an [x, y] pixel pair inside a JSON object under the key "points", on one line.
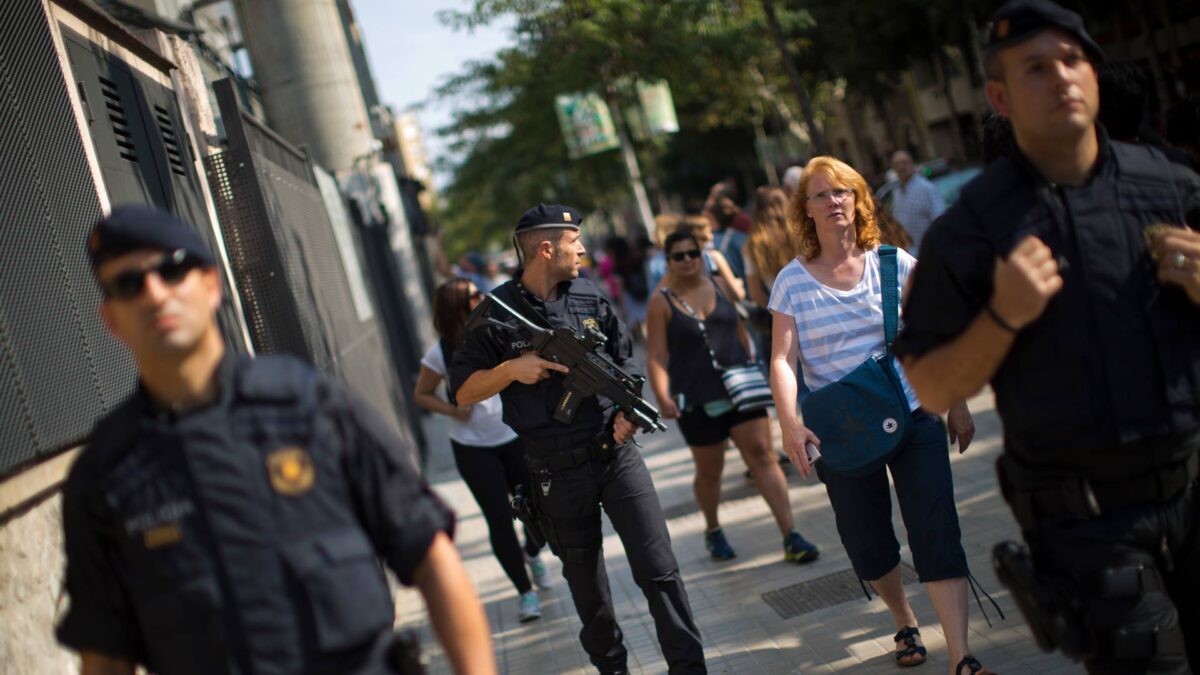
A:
{"points": [[528, 242], [993, 68], [682, 234]]}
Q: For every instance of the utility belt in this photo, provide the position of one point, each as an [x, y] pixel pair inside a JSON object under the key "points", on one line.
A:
{"points": [[560, 453], [1039, 498]]}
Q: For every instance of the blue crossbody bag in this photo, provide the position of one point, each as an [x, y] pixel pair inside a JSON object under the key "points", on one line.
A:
{"points": [[864, 417]]}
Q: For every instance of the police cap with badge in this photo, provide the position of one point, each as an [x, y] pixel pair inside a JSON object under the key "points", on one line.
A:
{"points": [[1019, 20], [545, 217]]}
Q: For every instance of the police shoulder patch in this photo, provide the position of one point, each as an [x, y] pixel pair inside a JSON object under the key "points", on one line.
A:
{"points": [[291, 470]]}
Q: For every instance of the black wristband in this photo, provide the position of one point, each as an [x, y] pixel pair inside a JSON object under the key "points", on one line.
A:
{"points": [[1000, 320]]}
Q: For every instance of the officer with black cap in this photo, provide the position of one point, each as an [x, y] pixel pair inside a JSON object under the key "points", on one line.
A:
{"points": [[227, 517], [577, 468], [1068, 276]]}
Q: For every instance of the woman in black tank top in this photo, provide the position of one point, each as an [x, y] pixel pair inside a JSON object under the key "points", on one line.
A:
{"points": [[692, 333]]}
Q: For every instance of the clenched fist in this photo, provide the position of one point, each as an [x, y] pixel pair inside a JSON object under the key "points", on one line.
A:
{"points": [[1024, 283]]}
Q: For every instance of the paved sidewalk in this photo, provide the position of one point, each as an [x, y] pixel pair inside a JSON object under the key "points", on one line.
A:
{"points": [[741, 632]]}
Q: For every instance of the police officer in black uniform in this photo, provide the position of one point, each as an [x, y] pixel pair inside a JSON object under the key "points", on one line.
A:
{"points": [[1068, 276], [576, 468], [228, 517]]}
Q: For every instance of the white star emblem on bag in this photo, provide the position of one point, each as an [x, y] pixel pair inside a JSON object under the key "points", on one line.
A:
{"points": [[890, 425]]}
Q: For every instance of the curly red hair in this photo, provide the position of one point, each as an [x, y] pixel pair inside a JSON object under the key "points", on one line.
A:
{"points": [[840, 174]]}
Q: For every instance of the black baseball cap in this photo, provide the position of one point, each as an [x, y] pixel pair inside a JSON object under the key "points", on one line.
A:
{"points": [[545, 216], [130, 227], [1019, 20]]}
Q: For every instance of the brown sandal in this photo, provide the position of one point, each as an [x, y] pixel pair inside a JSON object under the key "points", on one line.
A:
{"points": [[908, 635]]}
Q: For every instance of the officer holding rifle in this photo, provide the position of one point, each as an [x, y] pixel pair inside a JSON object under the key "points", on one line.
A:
{"points": [[579, 445]]}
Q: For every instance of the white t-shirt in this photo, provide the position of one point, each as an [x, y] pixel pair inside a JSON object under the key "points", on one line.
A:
{"points": [[837, 330], [484, 429]]}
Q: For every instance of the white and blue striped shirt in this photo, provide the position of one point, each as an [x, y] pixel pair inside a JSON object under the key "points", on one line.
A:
{"points": [[837, 330]]}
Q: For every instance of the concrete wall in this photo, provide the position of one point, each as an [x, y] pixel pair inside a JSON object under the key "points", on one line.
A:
{"points": [[31, 567]]}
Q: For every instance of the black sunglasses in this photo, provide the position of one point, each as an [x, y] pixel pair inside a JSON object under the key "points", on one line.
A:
{"points": [[476, 295], [679, 256], [172, 269]]}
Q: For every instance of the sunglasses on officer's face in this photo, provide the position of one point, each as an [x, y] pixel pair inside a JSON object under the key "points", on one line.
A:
{"points": [[172, 269], [679, 256]]}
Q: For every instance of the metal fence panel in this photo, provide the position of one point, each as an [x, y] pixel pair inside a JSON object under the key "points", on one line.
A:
{"points": [[59, 369], [295, 290]]}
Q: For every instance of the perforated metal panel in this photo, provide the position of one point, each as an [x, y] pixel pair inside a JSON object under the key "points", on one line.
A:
{"points": [[294, 288], [58, 368]]}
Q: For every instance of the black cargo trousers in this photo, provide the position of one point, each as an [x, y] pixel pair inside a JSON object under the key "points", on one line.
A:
{"points": [[1132, 573], [570, 500]]}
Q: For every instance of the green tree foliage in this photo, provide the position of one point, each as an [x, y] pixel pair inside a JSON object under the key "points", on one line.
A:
{"points": [[508, 137]]}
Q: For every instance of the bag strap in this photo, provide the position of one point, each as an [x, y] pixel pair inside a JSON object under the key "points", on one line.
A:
{"points": [[692, 313], [525, 307], [891, 294], [725, 242]]}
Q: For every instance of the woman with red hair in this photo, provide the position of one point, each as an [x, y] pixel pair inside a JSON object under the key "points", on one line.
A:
{"points": [[828, 316]]}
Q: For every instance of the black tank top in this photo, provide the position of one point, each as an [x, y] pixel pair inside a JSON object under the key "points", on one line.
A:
{"points": [[689, 364]]}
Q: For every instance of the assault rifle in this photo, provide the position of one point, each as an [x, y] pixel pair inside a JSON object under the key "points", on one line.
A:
{"points": [[592, 372]]}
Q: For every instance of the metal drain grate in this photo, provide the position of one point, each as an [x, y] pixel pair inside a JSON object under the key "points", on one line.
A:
{"points": [[830, 590]]}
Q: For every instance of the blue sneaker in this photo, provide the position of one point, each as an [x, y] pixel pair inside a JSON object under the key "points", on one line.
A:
{"points": [[797, 549], [717, 546], [530, 608], [537, 570]]}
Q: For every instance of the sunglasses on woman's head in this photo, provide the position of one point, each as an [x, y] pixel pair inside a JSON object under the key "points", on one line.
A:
{"points": [[172, 269], [679, 256]]}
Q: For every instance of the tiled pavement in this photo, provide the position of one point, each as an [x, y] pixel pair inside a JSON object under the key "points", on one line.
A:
{"points": [[741, 633]]}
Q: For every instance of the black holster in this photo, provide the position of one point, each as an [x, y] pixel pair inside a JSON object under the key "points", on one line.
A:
{"points": [[1051, 616], [404, 654], [530, 516]]}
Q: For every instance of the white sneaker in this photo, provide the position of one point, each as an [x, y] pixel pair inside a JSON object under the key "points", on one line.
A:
{"points": [[537, 570], [531, 608]]}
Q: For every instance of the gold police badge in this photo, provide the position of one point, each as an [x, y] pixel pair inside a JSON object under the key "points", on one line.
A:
{"points": [[591, 323], [291, 470]]}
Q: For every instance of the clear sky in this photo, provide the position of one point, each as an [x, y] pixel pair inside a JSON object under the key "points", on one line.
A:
{"points": [[411, 52]]}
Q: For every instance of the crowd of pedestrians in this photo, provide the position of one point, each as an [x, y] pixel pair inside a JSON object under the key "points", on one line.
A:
{"points": [[1067, 277]]}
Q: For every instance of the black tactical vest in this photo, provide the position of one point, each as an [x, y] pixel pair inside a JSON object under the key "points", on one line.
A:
{"points": [[235, 536], [529, 408], [1115, 358]]}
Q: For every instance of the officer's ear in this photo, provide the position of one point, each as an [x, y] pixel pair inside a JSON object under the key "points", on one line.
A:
{"points": [[546, 249], [997, 95]]}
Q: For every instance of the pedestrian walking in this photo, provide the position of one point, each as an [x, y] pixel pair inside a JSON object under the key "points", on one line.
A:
{"points": [[1068, 277], [830, 316], [591, 463], [227, 517], [693, 335], [487, 452], [916, 202], [715, 263]]}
